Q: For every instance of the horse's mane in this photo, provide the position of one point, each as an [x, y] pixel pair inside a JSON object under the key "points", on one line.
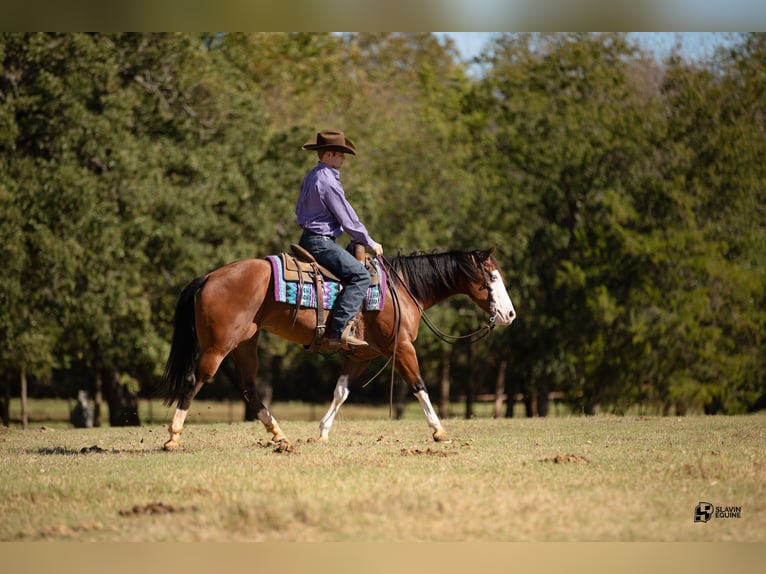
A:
{"points": [[430, 275]]}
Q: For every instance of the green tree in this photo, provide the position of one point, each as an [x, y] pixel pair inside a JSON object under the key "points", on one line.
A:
{"points": [[570, 137], [702, 317], [625, 197], [133, 166]]}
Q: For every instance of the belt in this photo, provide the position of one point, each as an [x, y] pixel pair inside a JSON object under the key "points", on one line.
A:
{"points": [[308, 232]]}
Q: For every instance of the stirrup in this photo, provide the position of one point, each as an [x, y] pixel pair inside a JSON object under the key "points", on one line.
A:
{"points": [[348, 341]]}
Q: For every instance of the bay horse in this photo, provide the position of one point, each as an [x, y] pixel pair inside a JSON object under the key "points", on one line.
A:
{"points": [[224, 311]]}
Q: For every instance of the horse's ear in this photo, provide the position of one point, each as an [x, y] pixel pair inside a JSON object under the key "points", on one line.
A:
{"points": [[487, 253]]}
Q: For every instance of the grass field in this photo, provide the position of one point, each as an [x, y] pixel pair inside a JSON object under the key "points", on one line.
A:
{"points": [[54, 413], [565, 478]]}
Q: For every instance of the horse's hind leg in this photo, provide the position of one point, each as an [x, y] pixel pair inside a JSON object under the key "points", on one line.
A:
{"points": [[246, 359], [207, 365]]}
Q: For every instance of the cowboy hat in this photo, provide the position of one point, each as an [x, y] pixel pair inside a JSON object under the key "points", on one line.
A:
{"points": [[332, 140]]}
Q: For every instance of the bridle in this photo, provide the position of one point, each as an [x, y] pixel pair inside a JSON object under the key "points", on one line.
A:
{"points": [[468, 339]]}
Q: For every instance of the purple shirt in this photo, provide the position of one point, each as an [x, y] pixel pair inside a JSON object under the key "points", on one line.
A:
{"points": [[322, 206]]}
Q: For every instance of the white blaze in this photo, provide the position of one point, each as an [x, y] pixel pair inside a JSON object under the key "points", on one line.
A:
{"points": [[505, 311]]}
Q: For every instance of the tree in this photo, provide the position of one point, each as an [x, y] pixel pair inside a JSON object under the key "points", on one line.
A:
{"points": [[570, 138], [625, 197], [707, 257], [131, 167]]}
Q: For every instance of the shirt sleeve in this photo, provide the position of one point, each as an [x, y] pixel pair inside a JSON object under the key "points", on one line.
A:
{"points": [[336, 202]]}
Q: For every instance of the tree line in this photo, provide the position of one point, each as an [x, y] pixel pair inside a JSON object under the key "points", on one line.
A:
{"points": [[625, 196]]}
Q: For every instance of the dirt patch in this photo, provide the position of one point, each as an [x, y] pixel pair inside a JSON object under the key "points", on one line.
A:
{"points": [[284, 446], [54, 450], [280, 447], [90, 449], [64, 530], [566, 458], [51, 450], [428, 452], [156, 508]]}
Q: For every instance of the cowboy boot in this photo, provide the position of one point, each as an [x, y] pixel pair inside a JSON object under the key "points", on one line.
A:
{"points": [[347, 341]]}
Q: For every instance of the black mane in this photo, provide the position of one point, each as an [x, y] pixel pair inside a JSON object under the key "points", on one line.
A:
{"points": [[435, 276]]}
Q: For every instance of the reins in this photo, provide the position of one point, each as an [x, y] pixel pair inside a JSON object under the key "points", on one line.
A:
{"points": [[468, 339], [392, 358]]}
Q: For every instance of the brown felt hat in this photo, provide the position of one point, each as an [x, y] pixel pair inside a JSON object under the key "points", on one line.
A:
{"points": [[332, 140]]}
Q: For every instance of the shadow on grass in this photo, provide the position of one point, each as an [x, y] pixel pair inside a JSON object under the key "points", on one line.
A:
{"points": [[95, 449]]}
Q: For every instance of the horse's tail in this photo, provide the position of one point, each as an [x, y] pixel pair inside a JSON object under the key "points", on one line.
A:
{"points": [[180, 366]]}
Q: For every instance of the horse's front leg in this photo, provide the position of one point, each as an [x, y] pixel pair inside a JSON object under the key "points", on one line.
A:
{"points": [[407, 365], [352, 368], [439, 434]]}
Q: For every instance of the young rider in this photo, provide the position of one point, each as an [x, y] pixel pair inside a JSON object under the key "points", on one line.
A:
{"points": [[324, 213]]}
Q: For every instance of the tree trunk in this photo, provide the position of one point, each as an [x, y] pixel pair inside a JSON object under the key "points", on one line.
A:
{"points": [[97, 400], [444, 383], [123, 405], [266, 388], [86, 412], [24, 411], [591, 406], [510, 390], [542, 400], [530, 402], [470, 390], [5, 405], [401, 397], [81, 415], [500, 389]]}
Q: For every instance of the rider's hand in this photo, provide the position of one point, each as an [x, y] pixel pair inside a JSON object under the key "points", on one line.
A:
{"points": [[377, 248]]}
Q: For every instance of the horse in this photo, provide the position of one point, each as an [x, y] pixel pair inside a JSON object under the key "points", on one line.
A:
{"points": [[224, 311]]}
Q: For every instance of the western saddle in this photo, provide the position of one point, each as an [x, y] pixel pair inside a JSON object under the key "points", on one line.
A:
{"points": [[301, 267]]}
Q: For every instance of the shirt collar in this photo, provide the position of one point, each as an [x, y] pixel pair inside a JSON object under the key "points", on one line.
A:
{"points": [[322, 165]]}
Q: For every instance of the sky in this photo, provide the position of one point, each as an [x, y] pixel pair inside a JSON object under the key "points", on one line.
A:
{"points": [[694, 44]]}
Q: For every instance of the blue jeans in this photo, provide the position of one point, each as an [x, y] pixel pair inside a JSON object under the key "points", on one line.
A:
{"points": [[351, 271]]}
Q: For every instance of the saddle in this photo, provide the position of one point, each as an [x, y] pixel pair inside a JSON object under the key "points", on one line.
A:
{"points": [[302, 267]]}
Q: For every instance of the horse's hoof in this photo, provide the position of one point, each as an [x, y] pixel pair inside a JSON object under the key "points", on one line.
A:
{"points": [[323, 439], [441, 436], [171, 445]]}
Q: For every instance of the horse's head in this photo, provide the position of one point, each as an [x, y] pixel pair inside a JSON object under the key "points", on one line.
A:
{"points": [[491, 294]]}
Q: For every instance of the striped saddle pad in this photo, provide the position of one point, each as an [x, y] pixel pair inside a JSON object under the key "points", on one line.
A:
{"points": [[288, 289]]}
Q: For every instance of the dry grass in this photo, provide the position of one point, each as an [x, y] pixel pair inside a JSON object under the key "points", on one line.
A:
{"points": [[599, 478], [54, 413]]}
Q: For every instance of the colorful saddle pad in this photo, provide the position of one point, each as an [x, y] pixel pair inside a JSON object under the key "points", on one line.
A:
{"points": [[288, 291]]}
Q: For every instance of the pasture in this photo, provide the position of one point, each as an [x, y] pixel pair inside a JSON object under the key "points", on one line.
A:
{"points": [[602, 478]]}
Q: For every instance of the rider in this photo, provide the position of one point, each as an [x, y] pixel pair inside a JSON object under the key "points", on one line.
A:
{"points": [[324, 213]]}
